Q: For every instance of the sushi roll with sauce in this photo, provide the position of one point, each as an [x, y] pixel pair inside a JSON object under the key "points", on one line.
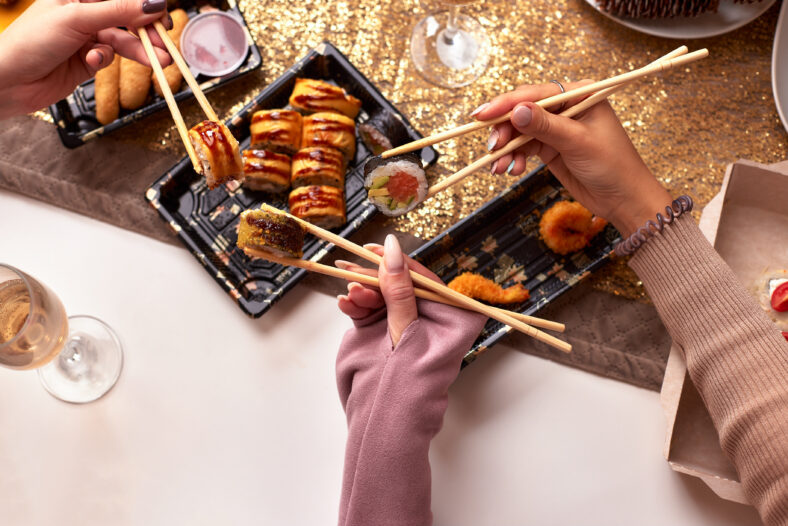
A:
{"points": [[310, 95], [218, 152], [266, 171], [395, 185], [321, 205], [332, 130], [276, 131], [318, 165], [383, 131], [271, 232]]}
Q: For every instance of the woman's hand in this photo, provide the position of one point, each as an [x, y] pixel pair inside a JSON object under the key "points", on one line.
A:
{"points": [[57, 44], [591, 154], [396, 289]]}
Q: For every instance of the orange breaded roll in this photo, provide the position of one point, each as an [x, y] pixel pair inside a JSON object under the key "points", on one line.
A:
{"points": [[318, 165], [266, 171], [218, 152], [323, 206], [134, 84], [105, 89], [310, 95], [171, 72], [276, 130], [332, 130]]}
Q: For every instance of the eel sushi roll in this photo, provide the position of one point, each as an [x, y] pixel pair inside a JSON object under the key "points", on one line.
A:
{"points": [[321, 205], [383, 131], [271, 232], [276, 130], [333, 130], [318, 165], [310, 95], [395, 185], [218, 152], [266, 171]]}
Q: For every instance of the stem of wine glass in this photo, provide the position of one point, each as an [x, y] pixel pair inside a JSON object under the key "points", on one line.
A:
{"points": [[451, 24]]}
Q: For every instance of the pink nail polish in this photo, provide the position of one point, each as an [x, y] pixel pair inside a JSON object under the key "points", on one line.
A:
{"points": [[522, 116], [480, 109], [491, 142], [392, 255], [493, 167]]}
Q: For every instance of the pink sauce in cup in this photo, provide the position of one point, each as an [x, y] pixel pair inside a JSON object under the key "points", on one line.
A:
{"points": [[214, 43]]}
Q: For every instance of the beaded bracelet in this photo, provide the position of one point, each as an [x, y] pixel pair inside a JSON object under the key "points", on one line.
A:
{"points": [[639, 236]]}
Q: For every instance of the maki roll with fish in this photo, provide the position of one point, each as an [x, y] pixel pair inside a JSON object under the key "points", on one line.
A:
{"points": [[266, 171], [395, 185], [333, 130], [310, 95], [383, 131], [218, 152], [321, 205], [271, 232], [276, 130], [318, 165]]}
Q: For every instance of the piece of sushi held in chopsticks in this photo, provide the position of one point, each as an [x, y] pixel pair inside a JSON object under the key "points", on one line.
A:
{"points": [[318, 165], [273, 233], [321, 205], [217, 151], [276, 131], [395, 185], [333, 130], [266, 171], [383, 131], [310, 95]]}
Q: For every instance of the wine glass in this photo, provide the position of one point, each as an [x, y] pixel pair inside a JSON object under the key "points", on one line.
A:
{"points": [[448, 48], [78, 358]]}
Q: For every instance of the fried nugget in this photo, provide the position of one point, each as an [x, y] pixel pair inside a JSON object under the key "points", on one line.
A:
{"points": [[134, 84], [106, 92]]}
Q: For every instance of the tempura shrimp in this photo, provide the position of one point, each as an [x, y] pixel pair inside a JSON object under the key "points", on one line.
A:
{"points": [[568, 226], [481, 288]]}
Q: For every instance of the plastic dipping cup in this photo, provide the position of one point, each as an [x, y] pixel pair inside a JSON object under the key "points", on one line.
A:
{"points": [[214, 44]]}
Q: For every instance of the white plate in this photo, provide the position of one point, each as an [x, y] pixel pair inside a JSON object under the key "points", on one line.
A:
{"points": [[728, 17], [780, 65]]}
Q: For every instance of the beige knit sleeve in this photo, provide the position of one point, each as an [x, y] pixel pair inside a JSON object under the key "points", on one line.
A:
{"points": [[736, 357]]}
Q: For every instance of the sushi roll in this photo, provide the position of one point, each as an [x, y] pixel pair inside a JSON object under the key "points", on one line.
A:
{"points": [[318, 165], [323, 206], [276, 131], [310, 95], [271, 232], [383, 131], [395, 185], [330, 129], [218, 152], [266, 171]]}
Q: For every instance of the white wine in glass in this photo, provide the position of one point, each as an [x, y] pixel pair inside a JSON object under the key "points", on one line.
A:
{"points": [[78, 358], [448, 48]]}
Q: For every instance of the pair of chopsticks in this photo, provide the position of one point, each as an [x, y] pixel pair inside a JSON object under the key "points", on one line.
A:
{"points": [[434, 291], [599, 90], [183, 131]]}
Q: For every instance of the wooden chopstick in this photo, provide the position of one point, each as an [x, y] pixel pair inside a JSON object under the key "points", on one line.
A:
{"points": [[520, 140], [655, 67], [185, 71], [183, 131], [424, 282], [372, 281], [314, 266]]}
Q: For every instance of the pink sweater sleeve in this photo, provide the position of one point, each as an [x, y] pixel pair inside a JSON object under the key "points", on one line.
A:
{"points": [[394, 400]]}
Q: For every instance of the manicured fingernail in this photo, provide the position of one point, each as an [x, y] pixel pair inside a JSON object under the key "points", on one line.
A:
{"points": [[492, 140], [510, 168], [342, 297], [101, 57], [353, 285], [522, 116], [493, 167], [480, 109], [392, 255], [169, 24], [153, 6], [370, 246], [341, 263]]}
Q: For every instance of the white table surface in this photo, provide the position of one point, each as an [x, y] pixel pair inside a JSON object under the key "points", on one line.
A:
{"points": [[220, 419]]}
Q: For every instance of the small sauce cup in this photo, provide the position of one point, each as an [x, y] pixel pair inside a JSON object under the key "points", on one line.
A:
{"points": [[214, 43]]}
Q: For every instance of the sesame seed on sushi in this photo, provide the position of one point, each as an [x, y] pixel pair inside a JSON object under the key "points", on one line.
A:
{"points": [[395, 185]]}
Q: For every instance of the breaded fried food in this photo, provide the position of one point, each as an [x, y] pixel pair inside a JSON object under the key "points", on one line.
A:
{"points": [[134, 84], [568, 227], [106, 92], [478, 287], [171, 72]]}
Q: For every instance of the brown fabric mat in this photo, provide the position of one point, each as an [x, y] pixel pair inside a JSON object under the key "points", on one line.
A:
{"points": [[106, 180]]}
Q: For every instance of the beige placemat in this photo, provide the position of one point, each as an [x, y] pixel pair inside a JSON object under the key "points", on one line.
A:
{"points": [[106, 180]]}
